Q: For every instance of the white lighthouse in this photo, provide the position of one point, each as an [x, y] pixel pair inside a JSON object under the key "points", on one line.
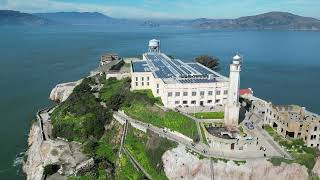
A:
{"points": [[232, 107]]}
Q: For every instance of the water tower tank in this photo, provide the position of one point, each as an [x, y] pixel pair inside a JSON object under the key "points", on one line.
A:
{"points": [[154, 45]]}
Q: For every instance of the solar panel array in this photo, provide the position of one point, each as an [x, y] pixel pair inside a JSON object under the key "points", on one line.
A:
{"points": [[140, 66], [165, 67]]}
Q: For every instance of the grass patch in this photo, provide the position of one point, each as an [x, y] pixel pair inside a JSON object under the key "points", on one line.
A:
{"points": [[239, 162], [109, 144], [203, 134], [126, 170], [149, 94], [112, 86], [148, 150], [170, 119], [209, 115]]}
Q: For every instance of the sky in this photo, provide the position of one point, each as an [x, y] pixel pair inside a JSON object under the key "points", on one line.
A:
{"points": [[164, 9]]}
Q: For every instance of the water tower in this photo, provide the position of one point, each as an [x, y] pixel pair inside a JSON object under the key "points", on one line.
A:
{"points": [[154, 46]]}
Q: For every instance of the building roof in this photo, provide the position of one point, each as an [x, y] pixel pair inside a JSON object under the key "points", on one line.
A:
{"points": [[140, 66], [245, 91]]}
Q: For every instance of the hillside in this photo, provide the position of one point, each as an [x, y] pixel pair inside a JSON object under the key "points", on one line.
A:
{"points": [[271, 20], [77, 17], [8, 17]]}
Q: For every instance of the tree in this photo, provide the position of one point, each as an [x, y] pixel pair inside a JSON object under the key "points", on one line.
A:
{"points": [[208, 61]]}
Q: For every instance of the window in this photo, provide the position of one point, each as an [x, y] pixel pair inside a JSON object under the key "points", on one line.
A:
{"points": [[193, 102], [194, 93], [148, 83], [184, 102], [210, 93], [177, 93], [217, 92], [142, 83], [185, 93], [136, 83], [177, 102], [225, 92], [311, 145], [201, 93], [217, 100], [148, 78], [169, 94], [209, 101], [157, 91], [136, 78], [315, 128], [142, 78], [157, 85]]}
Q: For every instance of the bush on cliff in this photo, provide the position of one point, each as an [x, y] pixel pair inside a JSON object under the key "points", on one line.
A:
{"points": [[80, 116]]}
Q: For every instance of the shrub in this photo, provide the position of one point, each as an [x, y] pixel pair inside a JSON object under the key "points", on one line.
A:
{"points": [[51, 169], [208, 61]]}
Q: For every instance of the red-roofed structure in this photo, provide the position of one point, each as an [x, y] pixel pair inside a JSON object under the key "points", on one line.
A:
{"points": [[245, 91]]}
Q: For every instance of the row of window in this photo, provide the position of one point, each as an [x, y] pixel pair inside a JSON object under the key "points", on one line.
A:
{"points": [[194, 93], [195, 102], [142, 78], [142, 84]]}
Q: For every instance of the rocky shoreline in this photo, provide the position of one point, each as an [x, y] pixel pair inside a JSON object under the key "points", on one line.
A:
{"points": [[40, 153]]}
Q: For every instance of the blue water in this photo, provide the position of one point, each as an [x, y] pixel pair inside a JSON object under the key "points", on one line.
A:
{"points": [[280, 66]]}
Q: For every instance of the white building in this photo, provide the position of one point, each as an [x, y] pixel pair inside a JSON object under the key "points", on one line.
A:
{"points": [[182, 84]]}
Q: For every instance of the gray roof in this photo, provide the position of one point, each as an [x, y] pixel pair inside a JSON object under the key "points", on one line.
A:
{"points": [[140, 66]]}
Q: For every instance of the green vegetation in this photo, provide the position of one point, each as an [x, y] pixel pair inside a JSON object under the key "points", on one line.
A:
{"points": [[208, 61], [239, 162], [126, 170], [51, 169], [170, 119], [199, 156], [149, 95], [113, 88], [209, 115], [219, 159], [242, 133], [80, 116], [203, 134], [148, 150], [109, 143], [302, 154]]}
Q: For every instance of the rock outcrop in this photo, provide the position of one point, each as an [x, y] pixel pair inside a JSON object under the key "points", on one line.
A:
{"points": [[316, 168], [178, 163], [62, 91], [42, 153]]}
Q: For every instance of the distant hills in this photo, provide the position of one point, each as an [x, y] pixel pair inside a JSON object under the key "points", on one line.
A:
{"points": [[17, 18], [270, 20], [77, 17]]}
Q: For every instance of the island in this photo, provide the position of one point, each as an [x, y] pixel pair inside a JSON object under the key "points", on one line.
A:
{"points": [[158, 117]]}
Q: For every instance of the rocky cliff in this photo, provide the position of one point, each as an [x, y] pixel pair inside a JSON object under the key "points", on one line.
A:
{"points": [[67, 155], [62, 91], [316, 168], [178, 163]]}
